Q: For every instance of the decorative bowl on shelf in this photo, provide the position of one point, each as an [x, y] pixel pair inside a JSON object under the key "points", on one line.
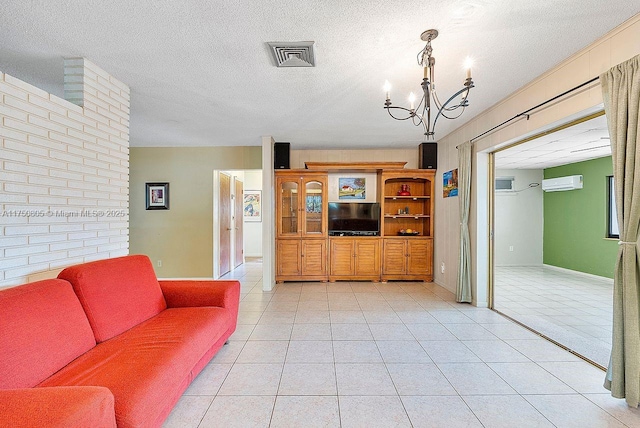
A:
{"points": [[408, 232]]}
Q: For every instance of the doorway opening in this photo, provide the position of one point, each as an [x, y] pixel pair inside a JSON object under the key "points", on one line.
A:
{"points": [[552, 260], [237, 221]]}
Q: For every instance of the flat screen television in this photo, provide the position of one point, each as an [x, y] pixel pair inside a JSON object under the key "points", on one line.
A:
{"points": [[350, 218]]}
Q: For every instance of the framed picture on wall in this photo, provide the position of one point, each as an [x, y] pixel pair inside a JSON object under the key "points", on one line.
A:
{"points": [[352, 188], [252, 205], [450, 183], [157, 196]]}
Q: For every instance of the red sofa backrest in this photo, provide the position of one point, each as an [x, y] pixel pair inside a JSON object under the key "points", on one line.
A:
{"points": [[116, 294], [42, 329]]}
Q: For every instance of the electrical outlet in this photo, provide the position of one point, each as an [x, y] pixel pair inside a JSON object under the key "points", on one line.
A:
{"points": [[510, 247], [442, 268], [159, 263]]}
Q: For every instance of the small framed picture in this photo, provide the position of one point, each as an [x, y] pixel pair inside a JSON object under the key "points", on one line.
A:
{"points": [[252, 205], [157, 196]]}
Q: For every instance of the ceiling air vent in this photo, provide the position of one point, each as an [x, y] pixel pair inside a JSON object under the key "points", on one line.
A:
{"points": [[293, 54]]}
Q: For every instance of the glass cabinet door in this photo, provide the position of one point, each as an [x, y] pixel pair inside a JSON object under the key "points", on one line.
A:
{"points": [[289, 210], [314, 207]]}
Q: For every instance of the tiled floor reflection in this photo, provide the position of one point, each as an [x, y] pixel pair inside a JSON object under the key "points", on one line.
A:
{"points": [[400, 354], [573, 309]]}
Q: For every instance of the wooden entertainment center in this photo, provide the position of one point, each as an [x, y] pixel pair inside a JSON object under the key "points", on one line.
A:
{"points": [[402, 250]]}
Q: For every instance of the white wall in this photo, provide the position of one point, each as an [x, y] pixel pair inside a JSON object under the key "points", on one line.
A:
{"points": [[252, 229], [64, 173], [519, 220]]}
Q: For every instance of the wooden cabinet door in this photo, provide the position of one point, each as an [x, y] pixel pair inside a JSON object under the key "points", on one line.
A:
{"points": [[367, 260], [342, 257], [288, 257], [287, 207], [314, 257], [394, 257], [313, 204], [420, 258]]}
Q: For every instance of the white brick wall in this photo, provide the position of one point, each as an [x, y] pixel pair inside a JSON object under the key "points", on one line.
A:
{"points": [[64, 173]]}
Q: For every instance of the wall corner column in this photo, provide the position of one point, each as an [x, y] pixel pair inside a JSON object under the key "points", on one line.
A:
{"points": [[268, 217]]}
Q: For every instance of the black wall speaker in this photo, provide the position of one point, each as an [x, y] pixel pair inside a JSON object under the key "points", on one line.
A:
{"points": [[428, 156], [281, 158]]}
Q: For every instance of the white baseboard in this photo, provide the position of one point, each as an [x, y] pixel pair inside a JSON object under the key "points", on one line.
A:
{"points": [[588, 275], [520, 265], [453, 290]]}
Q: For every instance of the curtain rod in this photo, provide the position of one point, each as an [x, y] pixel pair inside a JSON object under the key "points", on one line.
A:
{"points": [[526, 112]]}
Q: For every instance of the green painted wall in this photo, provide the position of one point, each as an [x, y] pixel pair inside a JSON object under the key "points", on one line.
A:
{"points": [[575, 221]]}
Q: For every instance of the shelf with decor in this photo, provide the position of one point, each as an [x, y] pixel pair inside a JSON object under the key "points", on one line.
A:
{"points": [[407, 224], [407, 203]]}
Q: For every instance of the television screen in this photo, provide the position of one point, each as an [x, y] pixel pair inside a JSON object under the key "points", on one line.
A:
{"points": [[354, 217]]}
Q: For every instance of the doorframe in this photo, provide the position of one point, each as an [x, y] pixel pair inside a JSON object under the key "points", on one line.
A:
{"points": [[490, 199], [216, 223], [237, 219], [216, 217]]}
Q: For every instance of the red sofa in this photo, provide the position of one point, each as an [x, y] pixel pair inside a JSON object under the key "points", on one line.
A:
{"points": [[107, 344]]}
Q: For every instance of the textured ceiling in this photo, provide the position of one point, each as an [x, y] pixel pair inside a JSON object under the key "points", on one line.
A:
{"points": [[581, 142], [201, 73]]}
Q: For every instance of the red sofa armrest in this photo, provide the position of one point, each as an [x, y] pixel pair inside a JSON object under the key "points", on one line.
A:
{"points": [[190, 293], [60, 406], [193, 293]]}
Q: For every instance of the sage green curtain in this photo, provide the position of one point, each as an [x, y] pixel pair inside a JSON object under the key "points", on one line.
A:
{"points": [[621, 94], [463, 282]]}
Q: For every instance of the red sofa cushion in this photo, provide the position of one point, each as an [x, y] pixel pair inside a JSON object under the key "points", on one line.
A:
{"points": [[42, 329], [63, 406], [117, 294], [147, 367]]}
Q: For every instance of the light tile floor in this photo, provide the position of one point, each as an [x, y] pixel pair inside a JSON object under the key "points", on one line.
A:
{"points": [[399, 354], [571, 308]]}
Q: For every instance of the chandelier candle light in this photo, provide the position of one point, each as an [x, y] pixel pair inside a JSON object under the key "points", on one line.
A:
{"points": [[421, 115]]}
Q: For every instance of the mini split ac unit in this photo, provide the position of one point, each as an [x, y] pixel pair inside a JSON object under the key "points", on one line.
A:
{"points": [[561, 184]]}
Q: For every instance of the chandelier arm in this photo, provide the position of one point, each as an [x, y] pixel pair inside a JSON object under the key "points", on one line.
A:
{"points": [[419, 117], [462, 103], [436, 100], [466, 88], [400, 108], [454, 117], [420, 103]]}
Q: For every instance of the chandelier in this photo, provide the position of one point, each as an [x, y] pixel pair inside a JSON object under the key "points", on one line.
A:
{"points": [[422, 113]]}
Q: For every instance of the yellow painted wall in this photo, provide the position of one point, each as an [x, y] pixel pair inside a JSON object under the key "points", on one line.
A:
{"points": [[617, 46], [182, 237]]}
